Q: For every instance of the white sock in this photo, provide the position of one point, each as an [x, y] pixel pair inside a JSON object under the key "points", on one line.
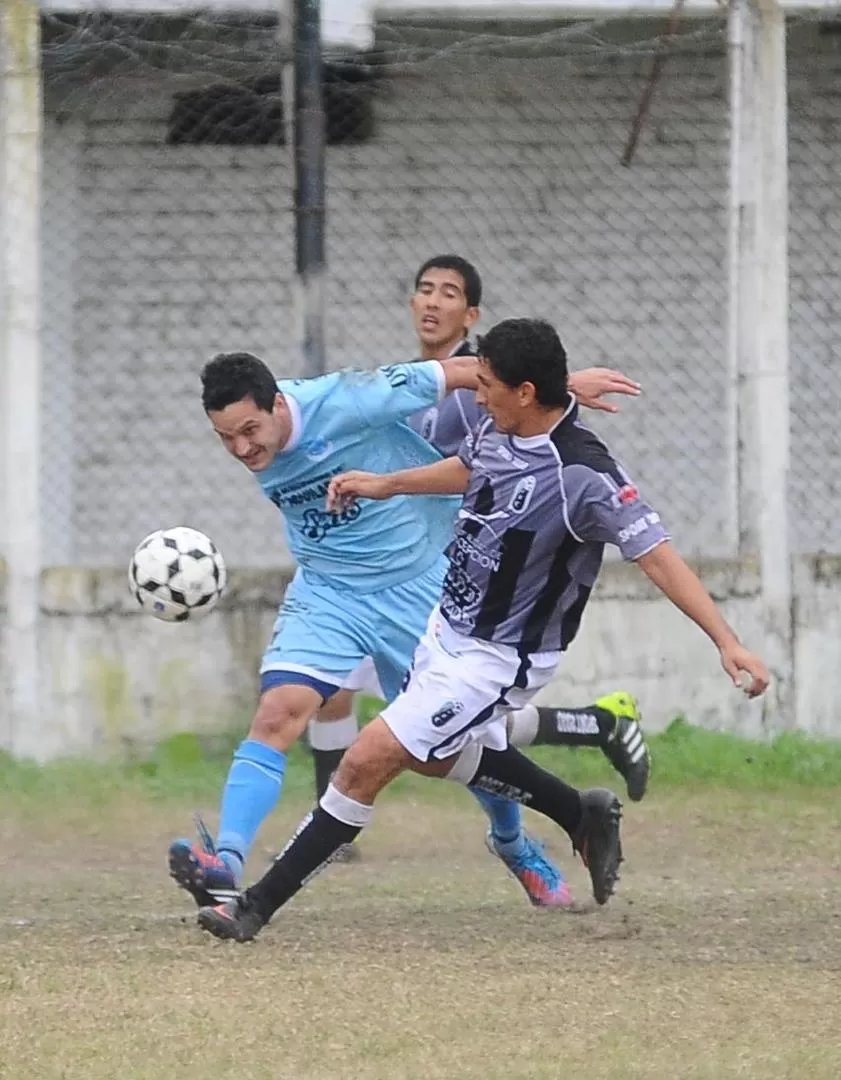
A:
{"points": [[522, 726], [333, 734], [345, 809]]}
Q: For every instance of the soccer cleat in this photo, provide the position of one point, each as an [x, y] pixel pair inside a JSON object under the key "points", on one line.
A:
{"points": [[626, 749], [597, 840], [235, 920], [206, 877], [544, 883]]}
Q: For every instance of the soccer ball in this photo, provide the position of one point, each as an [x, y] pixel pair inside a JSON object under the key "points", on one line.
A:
{"points": [[177, 574]]}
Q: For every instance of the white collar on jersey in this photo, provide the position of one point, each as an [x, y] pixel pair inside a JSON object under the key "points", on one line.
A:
{"points": [[525, 441], [296, 423]]}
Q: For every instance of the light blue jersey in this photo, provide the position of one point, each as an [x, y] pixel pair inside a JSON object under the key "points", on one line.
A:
{"points": [[367, 578], [353, 420]]}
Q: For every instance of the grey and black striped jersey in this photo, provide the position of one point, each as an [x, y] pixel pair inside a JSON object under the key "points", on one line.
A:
{"points": [[446, 425], [531, 532]]}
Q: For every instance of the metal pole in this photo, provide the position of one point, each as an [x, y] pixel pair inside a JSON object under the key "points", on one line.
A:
{"points": [[309, 183]]}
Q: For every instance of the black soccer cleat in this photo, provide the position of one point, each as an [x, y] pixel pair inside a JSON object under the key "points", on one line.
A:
{"points": [[597, 840], [626, 749], [236, 920]]}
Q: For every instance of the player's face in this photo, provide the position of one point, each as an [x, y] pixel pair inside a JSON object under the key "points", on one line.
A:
{"points": [[441, 313], [510, 406], [250, 434]]}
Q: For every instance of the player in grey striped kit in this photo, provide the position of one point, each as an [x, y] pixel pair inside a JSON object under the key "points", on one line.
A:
{"points": [[542, 497], [445, 306]]}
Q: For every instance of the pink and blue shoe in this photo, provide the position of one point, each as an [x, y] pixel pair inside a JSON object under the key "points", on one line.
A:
{"points": [[201, 871], [545, 885]]}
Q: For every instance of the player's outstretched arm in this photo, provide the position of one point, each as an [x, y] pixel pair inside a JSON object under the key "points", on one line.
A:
{"points": [[673, 577], [591, 385], [460, 373], [447, 477]]}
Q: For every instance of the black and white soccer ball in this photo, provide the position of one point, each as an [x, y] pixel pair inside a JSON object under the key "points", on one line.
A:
{"points": [[177, 574]]}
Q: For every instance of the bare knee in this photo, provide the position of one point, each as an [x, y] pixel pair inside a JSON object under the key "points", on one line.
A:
{"points": [[373, 761], [283, 714]]}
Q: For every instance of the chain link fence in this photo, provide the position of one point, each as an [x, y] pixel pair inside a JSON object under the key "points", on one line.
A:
{"points": [[168, 222]]}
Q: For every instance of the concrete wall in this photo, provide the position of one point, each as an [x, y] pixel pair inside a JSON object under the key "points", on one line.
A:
{"points": [[156, 256], [114, 678]]}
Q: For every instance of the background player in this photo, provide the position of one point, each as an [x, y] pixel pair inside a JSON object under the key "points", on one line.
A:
{"points": [[445, 306]]}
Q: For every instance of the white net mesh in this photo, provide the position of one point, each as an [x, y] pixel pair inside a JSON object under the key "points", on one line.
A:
{"points": [[168, 235]]}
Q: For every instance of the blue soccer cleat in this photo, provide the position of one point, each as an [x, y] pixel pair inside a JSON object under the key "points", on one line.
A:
{"points": [[544, 883], [198, 869]]}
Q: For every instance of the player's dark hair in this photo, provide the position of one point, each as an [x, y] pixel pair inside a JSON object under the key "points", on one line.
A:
{"points": [[231, 377], [528, 350], [469, 275]]}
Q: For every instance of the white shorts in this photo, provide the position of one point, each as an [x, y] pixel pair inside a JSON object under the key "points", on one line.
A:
{"points": [[364, 678], [459, 691]]}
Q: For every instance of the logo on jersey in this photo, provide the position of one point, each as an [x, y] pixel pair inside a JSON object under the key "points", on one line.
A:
{"points": [[317, 523], [312, 489], [474, 515], [397, 376], [429, 424], [638, 526], [467, 549], [317, 449], [506, 455], [448, 711], [625, 495], [460, 596], [520, 500]]}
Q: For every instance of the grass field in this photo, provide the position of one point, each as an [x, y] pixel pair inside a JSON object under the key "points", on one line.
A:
{"points": [[719, 958]]}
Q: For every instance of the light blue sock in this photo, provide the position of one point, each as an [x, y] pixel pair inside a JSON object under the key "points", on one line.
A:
{"points": [[251, 791], [506, 820]]}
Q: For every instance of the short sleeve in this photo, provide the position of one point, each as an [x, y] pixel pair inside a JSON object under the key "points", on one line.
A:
{"points": [[467, 450], [446, 425], [390, 394], [607, 511]]}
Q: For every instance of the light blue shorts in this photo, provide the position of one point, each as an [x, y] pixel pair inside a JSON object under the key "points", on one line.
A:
{"points": [[322, 634]]}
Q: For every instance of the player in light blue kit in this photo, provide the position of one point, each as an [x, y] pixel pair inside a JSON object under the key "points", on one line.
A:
{"points": [[367, 578]]}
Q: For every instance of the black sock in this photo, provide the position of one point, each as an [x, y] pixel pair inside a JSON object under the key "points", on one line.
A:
{"points": [[514, 776], [590, 726], [325, 762], [319, 836]]}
